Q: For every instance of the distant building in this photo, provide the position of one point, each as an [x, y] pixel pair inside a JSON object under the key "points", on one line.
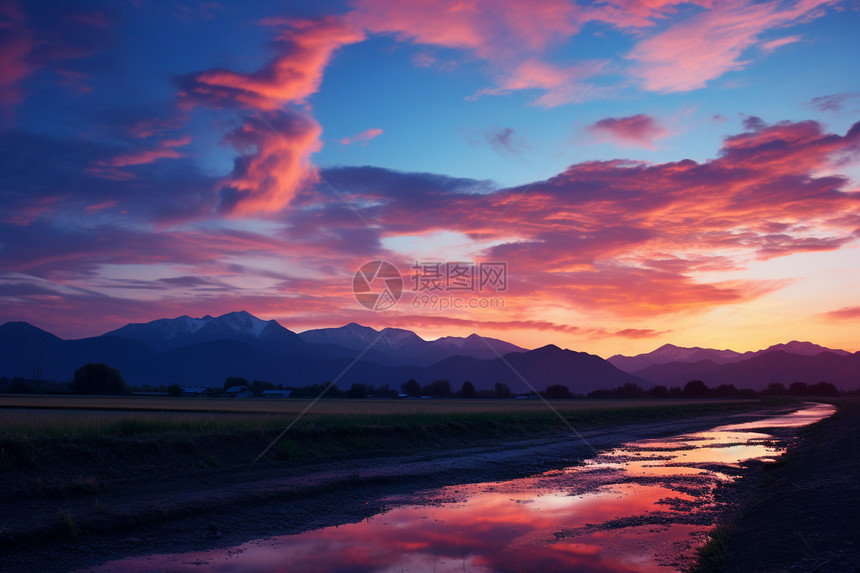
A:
{"points": [[276, 393], [239, 392], [194, 390]]}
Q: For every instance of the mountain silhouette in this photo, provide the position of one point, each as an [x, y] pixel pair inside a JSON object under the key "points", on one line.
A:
{"points": [[757, 372], [399, 347], [204, 351], [669, 353]]}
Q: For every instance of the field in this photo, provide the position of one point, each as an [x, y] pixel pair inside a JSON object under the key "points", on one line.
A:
{"points": [[30, 418], [96, 470]]}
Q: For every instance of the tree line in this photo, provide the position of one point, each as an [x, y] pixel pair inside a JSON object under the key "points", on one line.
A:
{"points": [[99, 378]]}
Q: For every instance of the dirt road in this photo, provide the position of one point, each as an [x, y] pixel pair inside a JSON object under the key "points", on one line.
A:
{"points": [[200, 510]]}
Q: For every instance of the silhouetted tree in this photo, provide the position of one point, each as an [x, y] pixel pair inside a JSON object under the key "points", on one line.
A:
{"points": [[798, 389], [502, 390], [823, 389], [98, 378], [695, 389], [174, 390], [557, 391], [629, 390], [235, 381], [775, 389], [315, 390], [440, 389], [357, 391], [603, 393], [468, 390], [659, 392], [411, 387], [382, 391], [676, 392], [747, 393], [258, 386], [725, 391]]}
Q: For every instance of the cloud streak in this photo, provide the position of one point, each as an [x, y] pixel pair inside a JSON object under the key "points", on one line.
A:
{"points": [[362, 137], [704, 47], [634, 131]]}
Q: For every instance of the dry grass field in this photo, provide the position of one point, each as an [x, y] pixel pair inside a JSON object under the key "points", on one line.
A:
{"points": [[77, 417]]}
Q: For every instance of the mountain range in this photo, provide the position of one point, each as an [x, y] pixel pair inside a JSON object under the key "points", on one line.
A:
{"points": [[669, 353], [794, 361], [204, 351]]}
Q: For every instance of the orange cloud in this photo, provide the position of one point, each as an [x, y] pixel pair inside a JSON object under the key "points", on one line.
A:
{"points": [[275, 143], [110, 168], [640, 333], [364, 136], [304, 49], [635, 238], [634, 131], [274, 163]]}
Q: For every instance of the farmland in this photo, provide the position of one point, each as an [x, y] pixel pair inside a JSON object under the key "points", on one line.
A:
{"points": [[101, 467], [91, 417]]}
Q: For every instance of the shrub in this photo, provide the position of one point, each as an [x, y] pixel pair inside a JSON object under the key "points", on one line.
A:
{"points": [[98, 378], [557, 391]]}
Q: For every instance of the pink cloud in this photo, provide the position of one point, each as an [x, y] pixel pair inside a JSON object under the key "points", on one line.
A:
{"points": [[638, 14], [275, 143], [637, 333], [779, 42], [634, 131], [707, 45], [622, 238], [16, 43], [846, 313], [273, 163], [561, 85], [304, 49], [24, 51], [632, 237], [364, 136], [493, 30], [112, 168], [511, 35]]}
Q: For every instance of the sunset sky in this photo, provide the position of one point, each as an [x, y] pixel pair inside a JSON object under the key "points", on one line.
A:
{"points": [[650, 171]]}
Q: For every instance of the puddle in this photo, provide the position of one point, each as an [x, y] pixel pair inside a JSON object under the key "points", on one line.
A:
{"points": [[643, 507]]}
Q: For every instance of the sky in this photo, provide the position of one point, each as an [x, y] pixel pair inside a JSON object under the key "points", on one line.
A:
{"points": [[607, 177]]}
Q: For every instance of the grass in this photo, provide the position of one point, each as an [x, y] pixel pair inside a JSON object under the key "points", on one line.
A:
{"points": [[72, 418], [711, 556], [68, 521], [50, 442], [326, 406]]}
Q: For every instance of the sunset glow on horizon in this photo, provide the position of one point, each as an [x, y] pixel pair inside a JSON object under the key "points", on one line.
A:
{"points": [[649, 172]]}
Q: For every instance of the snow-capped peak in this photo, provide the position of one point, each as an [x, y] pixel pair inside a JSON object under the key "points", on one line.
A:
{"points": [[243, 322]]}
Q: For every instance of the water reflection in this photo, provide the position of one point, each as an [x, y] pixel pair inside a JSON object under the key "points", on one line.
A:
{"points": [[643, 507]]}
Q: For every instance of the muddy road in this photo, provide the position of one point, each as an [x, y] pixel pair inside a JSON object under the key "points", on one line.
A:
{"points": [[225, 509]]}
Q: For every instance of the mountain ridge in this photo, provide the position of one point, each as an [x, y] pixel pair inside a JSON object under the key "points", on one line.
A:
{"points": [[669, 353], [204, 351]]}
